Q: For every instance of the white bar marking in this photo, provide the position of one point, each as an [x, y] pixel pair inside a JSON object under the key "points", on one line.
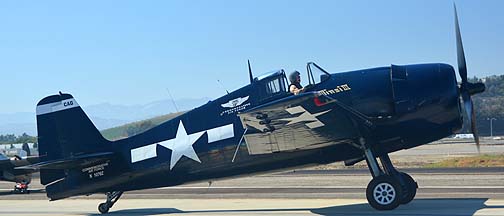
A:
{"points": [[149, 151], [220, 133], [57, 106], [143, 153]]}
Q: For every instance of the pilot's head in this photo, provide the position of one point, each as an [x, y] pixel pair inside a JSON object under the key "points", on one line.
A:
{"points": [[295, 77]]}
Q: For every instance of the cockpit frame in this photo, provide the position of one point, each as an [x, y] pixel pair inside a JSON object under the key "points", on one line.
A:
{"points": [[273, 85], [311, 79]]}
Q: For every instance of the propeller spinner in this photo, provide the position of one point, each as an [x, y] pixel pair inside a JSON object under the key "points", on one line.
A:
{"points": [[467, 89]]}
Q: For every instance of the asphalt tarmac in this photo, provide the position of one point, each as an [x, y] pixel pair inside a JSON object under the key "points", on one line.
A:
{"points": [[134, 207], [469, 191]]}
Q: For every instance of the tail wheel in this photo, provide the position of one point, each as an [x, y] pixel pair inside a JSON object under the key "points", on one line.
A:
{"points": [[384, 193], [410, 188], [103, 208]]}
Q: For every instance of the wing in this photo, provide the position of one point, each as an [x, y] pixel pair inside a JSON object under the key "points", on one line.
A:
{"points": [[299, 122], [5, 163], [9, 168]]}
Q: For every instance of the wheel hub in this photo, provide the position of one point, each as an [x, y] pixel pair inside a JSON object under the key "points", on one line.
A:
{"points": [[384, 193]]}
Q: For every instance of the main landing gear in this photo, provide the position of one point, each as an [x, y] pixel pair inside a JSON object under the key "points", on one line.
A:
{"points": [[389, 187], [21, 188], [112, 197]]}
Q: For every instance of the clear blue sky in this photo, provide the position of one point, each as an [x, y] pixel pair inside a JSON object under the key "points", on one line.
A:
{"points": [[129, 52]]}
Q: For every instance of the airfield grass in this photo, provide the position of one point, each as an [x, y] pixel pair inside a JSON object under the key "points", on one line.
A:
{"points": [[484, 160]]}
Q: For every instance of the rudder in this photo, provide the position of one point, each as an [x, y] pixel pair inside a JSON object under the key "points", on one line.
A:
{"points": [[65, 131]]}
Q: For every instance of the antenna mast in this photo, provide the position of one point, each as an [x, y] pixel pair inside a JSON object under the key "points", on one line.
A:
{"points": [[222, 86], [250, 72], [173, 101]]}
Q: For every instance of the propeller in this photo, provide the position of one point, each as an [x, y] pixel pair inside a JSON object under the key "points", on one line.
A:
{"points": [[466, 88]]}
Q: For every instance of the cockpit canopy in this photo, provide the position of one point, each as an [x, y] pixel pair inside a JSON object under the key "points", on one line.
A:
{"points": [[274, 85]]}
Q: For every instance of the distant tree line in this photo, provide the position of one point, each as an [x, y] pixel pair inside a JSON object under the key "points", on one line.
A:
{"points": [[140, 127], [489, 105], [23, 138], [135, 128]]}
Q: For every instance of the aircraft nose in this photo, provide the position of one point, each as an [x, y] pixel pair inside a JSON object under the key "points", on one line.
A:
{"points": [[429, 87], [429, 95], [425, 81]]}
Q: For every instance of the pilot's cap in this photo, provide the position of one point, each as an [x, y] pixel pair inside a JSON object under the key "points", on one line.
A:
{"points": [[293, 76]]}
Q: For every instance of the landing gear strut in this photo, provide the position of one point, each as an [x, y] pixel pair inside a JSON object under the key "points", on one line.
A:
{"points": [[389, 187], [112, 197]]}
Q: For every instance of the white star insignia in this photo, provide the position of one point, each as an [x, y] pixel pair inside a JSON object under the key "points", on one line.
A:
{"points": [[306, 116], [182, 145]]}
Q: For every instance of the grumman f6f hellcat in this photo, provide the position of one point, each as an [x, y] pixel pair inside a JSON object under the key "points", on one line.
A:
{"points": [[263, 127]]}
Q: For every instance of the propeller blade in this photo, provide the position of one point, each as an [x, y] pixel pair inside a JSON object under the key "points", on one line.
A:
{"points": [[468, 105], [475, 130], [471, 116], [467, 89], [462, 68]]}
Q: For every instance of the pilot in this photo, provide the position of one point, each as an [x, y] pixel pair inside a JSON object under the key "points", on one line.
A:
{"points": [[295, 86]]}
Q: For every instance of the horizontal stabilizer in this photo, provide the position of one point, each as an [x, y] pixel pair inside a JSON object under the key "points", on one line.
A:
{"points": [[71, 162], [3, 157]]}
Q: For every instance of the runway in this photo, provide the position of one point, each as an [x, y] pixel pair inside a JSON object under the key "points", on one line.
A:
{"points": [[468, 191], [444, 207]]}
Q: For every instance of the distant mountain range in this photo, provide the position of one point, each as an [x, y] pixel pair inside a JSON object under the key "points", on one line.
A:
{"points": [[103, 115]]}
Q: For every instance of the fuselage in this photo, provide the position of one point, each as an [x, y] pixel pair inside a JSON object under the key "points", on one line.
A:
{"points": [[409, 105]]}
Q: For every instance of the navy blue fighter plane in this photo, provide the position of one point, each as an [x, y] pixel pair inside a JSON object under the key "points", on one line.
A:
{"points": [[349, 116], [10, 169]]}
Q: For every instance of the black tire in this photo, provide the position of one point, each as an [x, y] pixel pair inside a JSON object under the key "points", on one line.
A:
{"points": [[384, 193], [103, 208], [410, 188]]}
